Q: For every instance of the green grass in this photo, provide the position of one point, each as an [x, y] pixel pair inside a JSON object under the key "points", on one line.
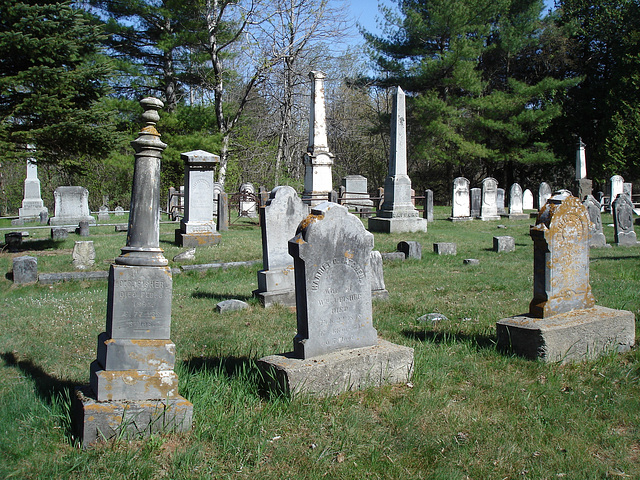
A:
{"points": [[469, 412]]}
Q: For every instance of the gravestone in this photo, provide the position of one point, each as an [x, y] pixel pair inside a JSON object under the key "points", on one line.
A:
{"points": [[476, 202], [84, 254], [83, 228], [516, 210], [356, 193], [489, 206], [624, 234], [103, 213], [445, 248], [133, 389], [119, 211], [71, 206], [627, 189], [397, 213], [427, 213], [544, 193], [58, 234], [248, 201], [25, 270], [32, 204], [279, 220], [504, 244], [317, 159], [563, 323], [411, 249], [527, 200], [597, 238], [197, 227], [217, 190], [616, 188], [336, 348], [378, 288], [461, 209], [500, 201], [223, 212], [584, 186]]}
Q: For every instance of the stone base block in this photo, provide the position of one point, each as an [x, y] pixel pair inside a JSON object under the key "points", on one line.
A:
{"points": [[487, 218], [117, 385], [397, 224], [95, 421], [197, 239], [626, 239], [129, 354], [569, 337], [459, 219], [381, 294], [517, 216], [504, 244], [72, 220], [338, 372], [286, 298], [282, 278], [445, 248]]}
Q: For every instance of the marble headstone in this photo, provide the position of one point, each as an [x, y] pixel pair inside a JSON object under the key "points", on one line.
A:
{"points": [[516, 210], [617, 187], [71, 206], [476, 202], [32, 204], [623, 221], [500, 194], [489, 206], [544, 192], [593, 209], [461, 209], [527, 200], [356, 193]]}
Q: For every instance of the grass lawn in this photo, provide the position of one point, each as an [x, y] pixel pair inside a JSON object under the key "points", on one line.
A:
{"points": [[469, 412]]}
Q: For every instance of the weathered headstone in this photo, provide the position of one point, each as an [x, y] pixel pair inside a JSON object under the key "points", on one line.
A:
{"points": [[504, 244], [516, 211], [597, 238], [83, 228], [71, 206], [58, 234], [279, 220], [563, 323], [32, 204], [624, 234], [427, 213], [616, 184], [489, 206], [248, 206], [317, 159], [411, 249], [336, 348], [527, 200], [544, 193], [461, 204], [119, 211], [397, 213], [378, 288], [500, 194], [356, 193], [103, 214], [627, 189], [25, 269], [84, 254], [197, 227], [223, 212], [133, 389], [217, 190], [476, 202], [445, 248]]}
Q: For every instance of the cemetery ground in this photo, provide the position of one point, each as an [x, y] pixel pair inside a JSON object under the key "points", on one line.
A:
{"points": [[469, 411]]}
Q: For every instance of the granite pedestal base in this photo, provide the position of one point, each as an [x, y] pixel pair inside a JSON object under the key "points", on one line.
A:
{"points": [[517, 216], [197, 239], [276, 286], [338, 372], [460, 219], [397, 224], [569, 337], [95, 421]]}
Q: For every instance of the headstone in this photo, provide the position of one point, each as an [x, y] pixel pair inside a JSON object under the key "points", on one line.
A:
{"points": [[279, 220], [624, 234], [133, 389], [378, 288], [476, 202], [393, 256], [188, 255], [197, 227], [336, 348], [248, 201], [32, 205], [410, 249], [500, 201], [617, 187], [445, 248], [527, 200], [544, 193], [489, 206], [231, 305], [44, 217], [103, 214], [84, 254], [504, 244], [427, 213], [25, 270], [597, 238], [397, 213], [121, 227], [223, 212], [83, 228], [461, 209], [563, 323], [174, 204], [13, 241], [356, 193], [217, 190], [71, 206], [59, 234], [119, 211], [317, 159], [627, 189], [516, 210]]}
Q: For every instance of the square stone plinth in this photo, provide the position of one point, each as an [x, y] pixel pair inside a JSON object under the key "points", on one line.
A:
{"points": [[397, 224], [118, 385], [95, 421], [337, 372], [197, 239], [569, 337]]}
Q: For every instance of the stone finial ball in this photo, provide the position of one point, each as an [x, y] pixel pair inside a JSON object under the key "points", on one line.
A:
{"points": [[151, 106]]}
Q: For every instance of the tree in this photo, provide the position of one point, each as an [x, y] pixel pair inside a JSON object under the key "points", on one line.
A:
{"points": [[52, 81]]}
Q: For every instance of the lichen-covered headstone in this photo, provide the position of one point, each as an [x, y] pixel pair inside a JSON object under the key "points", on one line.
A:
{"points": [[84, 254]]}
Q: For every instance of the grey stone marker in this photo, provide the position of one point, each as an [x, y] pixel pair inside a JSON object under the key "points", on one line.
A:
{"points": [[504, 244], [231, 305], [461, 204], [410, 249], [397, 213], [378, 288], [59, 234], [544, 193], [133, 389], [32, 204], [597, 238], [624, 234], [217, 190], [197, 227], [356, 193], [223, 212], [71, 206], [336, 348], [489, 206], [445, 248], [427, 213], [563, 323], [83, 228], [516, 210], [25, 269], [84, 255], [103, 213], [500, 201], [616, 188], [476, 201], [279, 220], [119, 211]]}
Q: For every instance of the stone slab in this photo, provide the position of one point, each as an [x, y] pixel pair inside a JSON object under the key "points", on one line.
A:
{"points": [[49, 278], [129, 354], [411, 249], [213, 266], [95, 421], [517, 216], [445, 248], [120, 385], [568, 337], [25, 269], [471, 261], [398, 224], [337, 372], [504, 244], [197, 239], [393, 256], [276, 279], [286, 298], [231, 305]]}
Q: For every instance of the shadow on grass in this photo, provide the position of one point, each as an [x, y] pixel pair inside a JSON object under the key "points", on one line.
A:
{"points": [[39, 245], [220, 296], [480, 342]]}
